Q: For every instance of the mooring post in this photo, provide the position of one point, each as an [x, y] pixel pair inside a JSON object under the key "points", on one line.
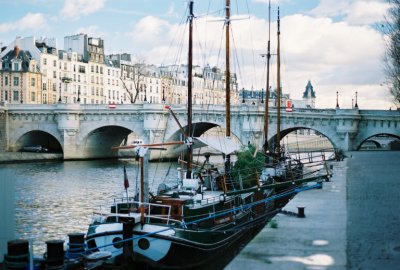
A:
{"points": [[127, 233], [300, 212]]}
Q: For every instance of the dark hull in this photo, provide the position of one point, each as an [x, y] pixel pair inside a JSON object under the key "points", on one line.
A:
{"points": [[187, 254]]}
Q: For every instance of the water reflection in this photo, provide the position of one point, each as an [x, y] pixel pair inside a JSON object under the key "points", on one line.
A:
{"points": [[57, 198]]}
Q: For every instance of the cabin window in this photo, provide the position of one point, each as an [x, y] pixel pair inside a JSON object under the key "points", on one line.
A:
{"points": [[117, 242], [143, 243]]}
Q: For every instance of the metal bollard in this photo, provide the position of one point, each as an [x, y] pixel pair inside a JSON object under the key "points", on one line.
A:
{"points": [[300, 212], [17, 256], [55, 254], [76, 245]]}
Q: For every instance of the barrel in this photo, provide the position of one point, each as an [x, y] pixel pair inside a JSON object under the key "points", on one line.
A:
{"points": [[76, 245], [55, 253], [17, 256]]}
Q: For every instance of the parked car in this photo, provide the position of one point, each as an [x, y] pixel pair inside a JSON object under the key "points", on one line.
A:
{"points": [[34, 148]]}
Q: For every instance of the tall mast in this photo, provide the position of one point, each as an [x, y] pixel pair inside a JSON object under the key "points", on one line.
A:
{"points": [[267, 86], [189, 94], [227, 67], [227, 83], [278, 91]]}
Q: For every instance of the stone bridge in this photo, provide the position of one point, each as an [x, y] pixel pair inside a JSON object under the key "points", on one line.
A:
{"points": [[89, 131]]}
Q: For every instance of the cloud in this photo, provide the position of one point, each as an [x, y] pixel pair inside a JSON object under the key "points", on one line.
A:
{"points": [[353, 11], [92, 31], [73, 9], [334, 55], [31, 21], [367, 12]]}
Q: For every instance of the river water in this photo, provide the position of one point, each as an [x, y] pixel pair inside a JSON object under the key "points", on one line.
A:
{"points": [[53, 199], [56, 198]]}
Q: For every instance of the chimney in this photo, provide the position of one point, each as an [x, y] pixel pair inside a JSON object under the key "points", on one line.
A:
{"points": [[16, 51]]}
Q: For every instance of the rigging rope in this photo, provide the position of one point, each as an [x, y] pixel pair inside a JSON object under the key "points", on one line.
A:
{"points": [[232, 210]]}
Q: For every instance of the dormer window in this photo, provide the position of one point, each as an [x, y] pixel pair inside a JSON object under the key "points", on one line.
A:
{"points": [[16, 66]]}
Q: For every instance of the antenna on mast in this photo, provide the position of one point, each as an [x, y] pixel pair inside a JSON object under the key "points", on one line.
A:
{"points": [[267, 86], [278, 92]]}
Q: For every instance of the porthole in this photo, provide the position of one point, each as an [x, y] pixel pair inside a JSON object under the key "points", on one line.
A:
{"points": [[144, 243], [117, 242]]}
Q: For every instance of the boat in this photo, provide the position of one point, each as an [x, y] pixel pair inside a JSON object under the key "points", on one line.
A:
{"points": [[206, 216]]}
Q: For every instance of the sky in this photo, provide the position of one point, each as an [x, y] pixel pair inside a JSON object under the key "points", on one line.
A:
{"points": [[336, 44]]}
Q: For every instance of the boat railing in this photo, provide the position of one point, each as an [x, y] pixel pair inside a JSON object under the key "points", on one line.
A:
{"points": [[130, 205], [207, 201]]}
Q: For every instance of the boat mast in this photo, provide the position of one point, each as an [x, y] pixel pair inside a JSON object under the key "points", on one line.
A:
{"points": [[278, 92], [189, 156], [227, 83], [267, 86]]}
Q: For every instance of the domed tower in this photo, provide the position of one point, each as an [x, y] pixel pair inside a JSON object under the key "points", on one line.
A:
{"points": [[309, 96]]}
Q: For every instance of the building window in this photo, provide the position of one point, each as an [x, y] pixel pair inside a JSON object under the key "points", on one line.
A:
{"points": [[33, 96], [55, 63], [44, 86], [44, 99], [15, 95], [54, 87], [5, 95], [16, 81], [54, 74], [44, 61], [6, 80], [32, 81], [16, 66]]}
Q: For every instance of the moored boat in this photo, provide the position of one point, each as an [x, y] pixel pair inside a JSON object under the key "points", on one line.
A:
{"points": [[207, 215]]}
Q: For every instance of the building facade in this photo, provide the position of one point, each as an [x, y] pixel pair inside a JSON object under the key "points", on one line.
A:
{"points": [[20, 80]]}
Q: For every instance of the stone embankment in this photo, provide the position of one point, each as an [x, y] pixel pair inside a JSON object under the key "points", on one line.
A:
{"points": [[352, 223], [12, 157]]}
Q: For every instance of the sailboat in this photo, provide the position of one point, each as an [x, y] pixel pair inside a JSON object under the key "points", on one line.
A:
{"points": [[204, 220]]}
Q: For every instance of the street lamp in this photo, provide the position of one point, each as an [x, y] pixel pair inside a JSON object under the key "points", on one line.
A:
{"points": [[356, 105], [79, 99], [337, 99], [262, 95]]}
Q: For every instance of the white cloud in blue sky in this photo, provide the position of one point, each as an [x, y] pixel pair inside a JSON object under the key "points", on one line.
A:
{"points": [[333, 43], [73, 9]]}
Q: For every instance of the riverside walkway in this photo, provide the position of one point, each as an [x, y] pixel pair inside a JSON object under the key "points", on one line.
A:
{"points": [[352, 223]]}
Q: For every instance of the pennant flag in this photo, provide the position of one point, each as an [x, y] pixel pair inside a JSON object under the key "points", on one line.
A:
{"points": [[126, 181]]}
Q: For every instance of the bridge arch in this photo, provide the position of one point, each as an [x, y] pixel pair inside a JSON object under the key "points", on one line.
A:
{"points": [[48, 139], [199, 129], [319, 143], [98, 142], [374, 139]]}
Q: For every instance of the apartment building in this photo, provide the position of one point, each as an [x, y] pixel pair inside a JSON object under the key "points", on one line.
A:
{"points": [[20, 80]]}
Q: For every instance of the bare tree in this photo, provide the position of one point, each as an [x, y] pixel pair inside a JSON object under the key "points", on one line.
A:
{"points": [[391, 29], [137, 77]]}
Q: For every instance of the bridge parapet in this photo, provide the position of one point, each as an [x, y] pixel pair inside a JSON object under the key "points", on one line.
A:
{"points": [[80, 126], [347, 122]]}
